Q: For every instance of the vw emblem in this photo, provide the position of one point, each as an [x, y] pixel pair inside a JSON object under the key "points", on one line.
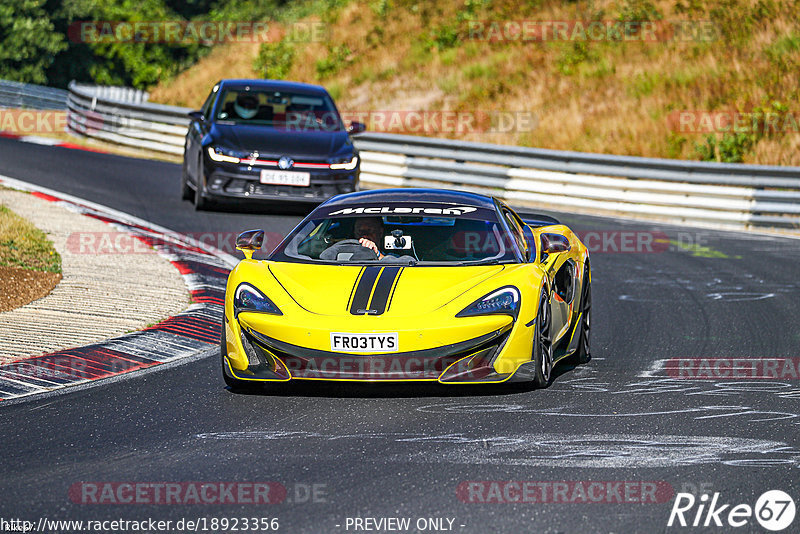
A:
{"points": [[285, 162]]}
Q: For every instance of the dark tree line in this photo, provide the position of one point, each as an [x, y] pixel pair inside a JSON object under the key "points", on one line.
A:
{"points": [[51, 42]]}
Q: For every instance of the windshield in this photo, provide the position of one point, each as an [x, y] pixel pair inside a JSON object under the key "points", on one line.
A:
{"points": [[278, 109], [408, 240]]}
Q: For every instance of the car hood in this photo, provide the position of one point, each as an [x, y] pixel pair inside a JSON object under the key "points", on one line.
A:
{"points": [[271, 142], [386, 290]]}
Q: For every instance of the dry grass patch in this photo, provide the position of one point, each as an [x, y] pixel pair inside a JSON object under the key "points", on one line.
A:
{"points": [[191, 87], [29, 265], [23, 245]]}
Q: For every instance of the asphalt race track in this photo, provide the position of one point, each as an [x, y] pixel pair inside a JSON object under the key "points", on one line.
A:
{"points": [[407, 451]]}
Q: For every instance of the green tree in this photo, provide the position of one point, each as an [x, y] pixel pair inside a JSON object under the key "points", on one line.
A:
{"points": [[97, 55], [275, 60], [28, 43]]}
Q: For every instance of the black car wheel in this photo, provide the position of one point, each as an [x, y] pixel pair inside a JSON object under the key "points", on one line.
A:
{"points": [[200, 201], [186, 190], [543, 344]]}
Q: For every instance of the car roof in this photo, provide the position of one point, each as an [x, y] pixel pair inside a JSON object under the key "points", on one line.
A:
{"points": [[438, 196], [275, 85]]}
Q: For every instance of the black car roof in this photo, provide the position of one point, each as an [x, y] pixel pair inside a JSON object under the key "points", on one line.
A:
{"points": [[438, 196], [273, 85]]}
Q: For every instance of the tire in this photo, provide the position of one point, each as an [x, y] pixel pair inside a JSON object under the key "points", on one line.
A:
{"points": [[542, 344], [186, 190], [233, 383], [582, 353], [200, 201]]}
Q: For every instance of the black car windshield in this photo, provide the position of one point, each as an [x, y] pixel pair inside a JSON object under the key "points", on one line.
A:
{"points": [[404, 239], [278, 109]]}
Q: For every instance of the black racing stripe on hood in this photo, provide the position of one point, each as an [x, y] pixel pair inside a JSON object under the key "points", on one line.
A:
{"points": [[383, 289], [353, 290], [363, 290], [394, 287]]}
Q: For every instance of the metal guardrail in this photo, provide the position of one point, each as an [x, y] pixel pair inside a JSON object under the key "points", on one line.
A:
{"points": [[732, 195], [114, 93], [90, 113], [695, 192], [26, 95]]}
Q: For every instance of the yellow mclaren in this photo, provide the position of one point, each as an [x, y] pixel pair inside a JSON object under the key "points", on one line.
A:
{"points": [[408, 285]]}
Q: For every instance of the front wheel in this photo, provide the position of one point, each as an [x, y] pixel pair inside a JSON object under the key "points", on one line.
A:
{"points": [[186, 190], [200, 201], [543, 344]]}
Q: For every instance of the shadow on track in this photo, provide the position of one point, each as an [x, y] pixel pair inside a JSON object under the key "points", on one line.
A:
{"points": [[314, 388], [253, 207]]}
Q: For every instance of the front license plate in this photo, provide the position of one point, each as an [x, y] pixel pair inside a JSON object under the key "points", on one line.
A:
{"points": [[344, 342], [302, 179]]}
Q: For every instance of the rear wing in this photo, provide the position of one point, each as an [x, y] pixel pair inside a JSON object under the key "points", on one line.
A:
{"points": [[537, 219]]}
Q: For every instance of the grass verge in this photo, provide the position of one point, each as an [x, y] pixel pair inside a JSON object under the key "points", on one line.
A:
{"points": [[25, 246]]}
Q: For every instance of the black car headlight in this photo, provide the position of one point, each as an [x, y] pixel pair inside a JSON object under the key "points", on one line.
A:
{"points": [[226, 155], [504, 301], [248, 298]]}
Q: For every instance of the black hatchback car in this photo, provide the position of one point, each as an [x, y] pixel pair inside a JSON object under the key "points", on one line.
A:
{"points": [[268, 140]]}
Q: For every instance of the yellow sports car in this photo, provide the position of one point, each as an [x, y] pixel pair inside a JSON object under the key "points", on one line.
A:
{"points": [[408, 285]]}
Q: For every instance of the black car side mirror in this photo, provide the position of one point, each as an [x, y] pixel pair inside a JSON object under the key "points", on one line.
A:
{"points": [[197, 116], [250, 241], [553, 244], [356, 127]]}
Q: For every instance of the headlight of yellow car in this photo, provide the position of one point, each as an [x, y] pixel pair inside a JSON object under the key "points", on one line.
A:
{"points": [[248, 298], [503, 301]]}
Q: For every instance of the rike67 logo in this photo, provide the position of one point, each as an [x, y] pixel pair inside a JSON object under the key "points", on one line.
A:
{"points": [[774, 510]]}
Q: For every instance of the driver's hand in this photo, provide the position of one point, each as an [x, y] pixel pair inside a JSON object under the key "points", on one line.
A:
{"points": [[364, 242]]}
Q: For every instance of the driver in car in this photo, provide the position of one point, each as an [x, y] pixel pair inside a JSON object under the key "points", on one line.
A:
{"points": [[245, 107], [369, 231]]}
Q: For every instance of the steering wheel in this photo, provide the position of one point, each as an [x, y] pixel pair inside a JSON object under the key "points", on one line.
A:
{"points": [[348, 246]]}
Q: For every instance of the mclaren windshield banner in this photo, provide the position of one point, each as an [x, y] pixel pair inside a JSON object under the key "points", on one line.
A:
{"points": [[414, 209]]}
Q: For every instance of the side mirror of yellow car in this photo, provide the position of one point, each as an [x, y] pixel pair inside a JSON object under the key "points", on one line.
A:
{"points": [[553, 244], [250, 241]]}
